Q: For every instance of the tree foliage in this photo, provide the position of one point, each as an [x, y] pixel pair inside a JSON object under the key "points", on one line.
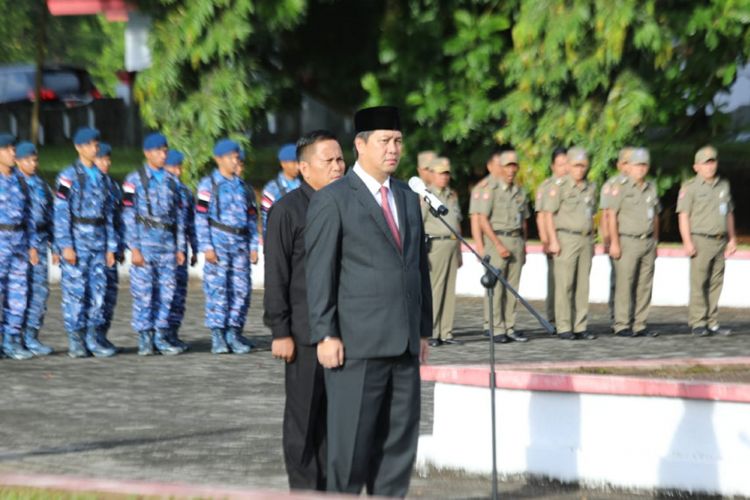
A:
{"points": [[213, 69], [556, 72]]}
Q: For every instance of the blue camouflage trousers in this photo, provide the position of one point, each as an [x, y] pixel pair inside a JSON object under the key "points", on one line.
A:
{"points": [[180, 295], [110, 297], [227, 288], [14, 267], [153, 287], [38, 293], [83, 287]]}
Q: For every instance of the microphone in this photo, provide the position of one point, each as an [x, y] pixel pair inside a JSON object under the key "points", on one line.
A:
{"points": [[417, 185]]}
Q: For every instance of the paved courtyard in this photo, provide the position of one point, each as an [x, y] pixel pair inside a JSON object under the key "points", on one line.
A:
{"points": [[200, 418]]}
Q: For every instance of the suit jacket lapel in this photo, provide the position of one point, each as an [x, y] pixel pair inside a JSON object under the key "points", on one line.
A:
{"points": [[367, 200]]}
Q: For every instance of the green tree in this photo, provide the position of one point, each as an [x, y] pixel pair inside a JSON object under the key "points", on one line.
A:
{"points": [[213, 70], [543, 73]]}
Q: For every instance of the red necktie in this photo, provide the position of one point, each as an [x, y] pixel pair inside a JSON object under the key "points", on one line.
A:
{"points": [[389, 216]]}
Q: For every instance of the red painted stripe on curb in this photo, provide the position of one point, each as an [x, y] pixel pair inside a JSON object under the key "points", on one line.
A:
{"points": [[172, 490], [517, 378]]}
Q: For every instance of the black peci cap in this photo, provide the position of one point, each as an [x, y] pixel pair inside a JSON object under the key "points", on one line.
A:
{"points": [[377, 118]]}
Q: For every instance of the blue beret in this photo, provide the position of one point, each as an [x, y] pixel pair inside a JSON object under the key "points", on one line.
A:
{"points": [[6, 140], [84, 135], [25, 149], [226, 146], [288, 152], [104, 150], [154, 141], [174, 157]]}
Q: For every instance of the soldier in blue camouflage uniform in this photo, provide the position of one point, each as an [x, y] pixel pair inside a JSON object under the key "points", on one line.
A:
{"points": [[226, 223], [154, 220], [103, 161], [173, 165], [85, 236], [287, 180], [18, 248], [40, 196]]}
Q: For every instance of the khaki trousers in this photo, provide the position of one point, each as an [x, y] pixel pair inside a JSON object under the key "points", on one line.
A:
{"points": [[504, 304], [635, 278], [706, 281], [550, 300], [572, 269], [443, 269]]}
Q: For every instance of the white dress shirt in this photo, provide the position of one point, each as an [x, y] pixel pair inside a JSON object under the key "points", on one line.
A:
{"points": [[374, 187]]}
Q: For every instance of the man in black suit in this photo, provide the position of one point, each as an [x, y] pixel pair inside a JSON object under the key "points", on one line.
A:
{"points": [[285, 312], [370, 310]]}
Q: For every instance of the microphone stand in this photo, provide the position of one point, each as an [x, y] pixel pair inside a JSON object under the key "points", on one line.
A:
{"points": [[489, 280]]}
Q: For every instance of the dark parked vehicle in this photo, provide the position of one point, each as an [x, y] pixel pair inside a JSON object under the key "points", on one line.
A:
{"points": [[66, 86]]}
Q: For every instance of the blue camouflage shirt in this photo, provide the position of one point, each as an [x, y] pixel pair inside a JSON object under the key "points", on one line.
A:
{"points": [[84, 210], [273, 191], [16, 215], [153, 213], [228, 202]]}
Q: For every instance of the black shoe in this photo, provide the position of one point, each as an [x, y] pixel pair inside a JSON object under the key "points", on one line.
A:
{"points": [[435, 342], [625, 333], [452, 341], [646, 333], [486, 333], [717, 330], [501, 339], [585, 336], [518, 336], [701, 331], [566, 336]]}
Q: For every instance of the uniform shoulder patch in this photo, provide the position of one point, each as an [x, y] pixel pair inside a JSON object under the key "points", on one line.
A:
{"points": [[63, 187], [128, 193], [204, 198]]}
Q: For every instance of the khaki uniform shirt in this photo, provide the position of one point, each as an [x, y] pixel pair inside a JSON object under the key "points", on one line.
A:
{"points": [[432, 225], [707, 204], [541, 193], [635, 206], [478, 195], [573, 206], [604, 197], [505, 205]]}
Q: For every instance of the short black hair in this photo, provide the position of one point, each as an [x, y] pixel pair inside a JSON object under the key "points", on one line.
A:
{"points": [[557, 152], [310, 138], [498, 150]]}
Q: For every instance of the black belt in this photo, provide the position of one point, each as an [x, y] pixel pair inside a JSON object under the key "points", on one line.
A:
{"points": [[12, 227], [155, 224], [643, 236], [449, 237], [237, 231], [577, 233], [91, 221], [516, 233], [719, 236]]}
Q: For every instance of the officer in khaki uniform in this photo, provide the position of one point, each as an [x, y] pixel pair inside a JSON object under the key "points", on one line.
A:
{"points": [[503, 215], [620, 178], [559, 168], [424, 158], [569, 216], [445, 253], [706, 217], [634, 230]]}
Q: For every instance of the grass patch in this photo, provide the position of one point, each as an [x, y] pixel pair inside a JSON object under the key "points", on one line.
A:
{"points": [[13, 493]]}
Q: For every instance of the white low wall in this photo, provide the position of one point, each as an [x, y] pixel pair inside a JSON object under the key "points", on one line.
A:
{"points": [[635, 442], [671, 280]]}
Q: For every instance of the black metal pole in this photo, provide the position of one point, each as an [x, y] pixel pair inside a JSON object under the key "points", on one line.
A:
{"points": [[489, 281]]}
